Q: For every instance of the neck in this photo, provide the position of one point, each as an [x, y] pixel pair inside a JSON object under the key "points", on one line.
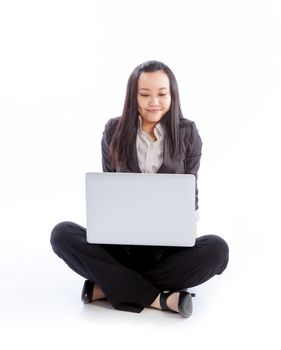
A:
{"points": [[148, 126]]}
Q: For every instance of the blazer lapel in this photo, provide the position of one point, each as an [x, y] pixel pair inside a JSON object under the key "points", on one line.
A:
{"points": [[133, 163], [169, 165]]}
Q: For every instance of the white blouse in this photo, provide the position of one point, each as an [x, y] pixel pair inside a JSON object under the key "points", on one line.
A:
{"points": [[150, 153]]}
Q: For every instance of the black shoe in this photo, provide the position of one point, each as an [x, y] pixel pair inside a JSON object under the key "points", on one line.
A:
{"points": [[184, 304], [87, 292]]}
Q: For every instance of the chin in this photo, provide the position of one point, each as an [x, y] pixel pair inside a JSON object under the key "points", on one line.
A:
{"points": [[154, 119]]}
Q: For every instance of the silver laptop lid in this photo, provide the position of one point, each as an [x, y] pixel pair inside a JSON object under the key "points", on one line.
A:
{"points": [[140, 208]]}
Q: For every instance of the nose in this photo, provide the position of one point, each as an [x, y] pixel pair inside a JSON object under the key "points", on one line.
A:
{"points": [[154, 101]]}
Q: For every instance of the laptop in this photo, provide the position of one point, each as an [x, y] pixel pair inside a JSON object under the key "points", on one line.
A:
{"points": [[140, 209]]}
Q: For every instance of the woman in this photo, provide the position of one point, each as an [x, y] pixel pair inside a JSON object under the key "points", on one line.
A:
{"points": [[151, 136]]}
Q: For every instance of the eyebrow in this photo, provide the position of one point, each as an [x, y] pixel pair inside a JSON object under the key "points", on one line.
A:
{"points": [[158, 89]]}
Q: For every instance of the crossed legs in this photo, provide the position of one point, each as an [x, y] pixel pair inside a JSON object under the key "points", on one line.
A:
{"points": [[133, 278]]}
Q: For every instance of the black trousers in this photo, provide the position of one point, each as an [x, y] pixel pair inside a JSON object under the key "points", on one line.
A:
{"points": [[131, 277]]}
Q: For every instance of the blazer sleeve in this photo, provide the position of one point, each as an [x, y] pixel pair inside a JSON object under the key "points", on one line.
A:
{"points": [[193, 156], [105, 142]]}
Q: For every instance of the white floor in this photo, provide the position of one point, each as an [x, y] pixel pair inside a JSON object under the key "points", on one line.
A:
{"points": [[41, 308]]}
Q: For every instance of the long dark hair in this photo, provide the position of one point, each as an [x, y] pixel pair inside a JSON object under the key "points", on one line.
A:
{"points": [[126, 131]]}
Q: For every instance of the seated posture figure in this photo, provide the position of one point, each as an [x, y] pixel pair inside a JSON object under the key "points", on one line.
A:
{"points": [[151, 136]]}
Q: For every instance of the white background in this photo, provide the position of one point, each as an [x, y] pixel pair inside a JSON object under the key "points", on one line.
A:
{"points": [[64, 67]]}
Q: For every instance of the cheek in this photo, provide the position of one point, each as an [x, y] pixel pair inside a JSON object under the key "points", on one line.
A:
{"points": [[168, 103], [138, 102], [139, 106]]}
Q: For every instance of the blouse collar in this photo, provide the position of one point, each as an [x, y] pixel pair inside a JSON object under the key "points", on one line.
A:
{"points": [[158, 129]]}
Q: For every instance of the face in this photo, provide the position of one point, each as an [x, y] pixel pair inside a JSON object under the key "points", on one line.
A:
{"points": [[154, 98]]}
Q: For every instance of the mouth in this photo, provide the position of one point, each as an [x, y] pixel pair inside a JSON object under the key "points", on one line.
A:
{"points": [[153, 110]]}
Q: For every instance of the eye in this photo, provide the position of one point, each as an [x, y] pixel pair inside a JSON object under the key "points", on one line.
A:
{"points": [[144, 95], [162, 94]]}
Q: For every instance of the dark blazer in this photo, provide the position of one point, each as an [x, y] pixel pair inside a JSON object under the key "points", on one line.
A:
{"points": [[186, 162]]}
